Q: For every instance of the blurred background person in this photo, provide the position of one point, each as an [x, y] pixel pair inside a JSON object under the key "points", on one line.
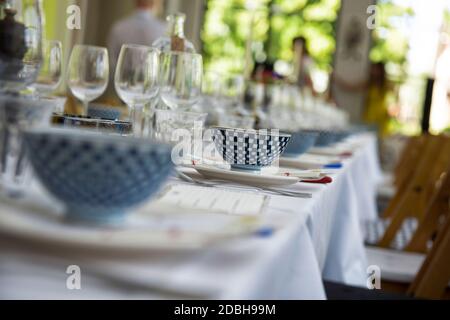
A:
{"points": [[303, 64], [377, 86], [142, 28], [377, 108]]}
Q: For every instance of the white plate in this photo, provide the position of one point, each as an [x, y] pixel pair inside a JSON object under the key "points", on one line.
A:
{"points": [[300, 163], [143, 232], [335, 151], [257, 179], [309, 161]]}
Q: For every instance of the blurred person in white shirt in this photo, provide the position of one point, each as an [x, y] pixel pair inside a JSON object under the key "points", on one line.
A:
{"points": [[142, 28]]}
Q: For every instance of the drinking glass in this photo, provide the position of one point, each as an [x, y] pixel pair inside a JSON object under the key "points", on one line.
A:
{"points": [[88, 73], [50, 75], [18, 112], [180, 79], [136, 80], [171, 125], [240, 122]]}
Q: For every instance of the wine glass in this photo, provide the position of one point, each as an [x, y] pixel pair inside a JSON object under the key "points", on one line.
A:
{"points": [[49, 77], [180, 79], [21, 28], [88, 73], [136, 80]]}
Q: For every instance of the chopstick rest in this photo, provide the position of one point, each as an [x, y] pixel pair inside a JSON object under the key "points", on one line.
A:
{"points": [[324, 180], [333, 166]]}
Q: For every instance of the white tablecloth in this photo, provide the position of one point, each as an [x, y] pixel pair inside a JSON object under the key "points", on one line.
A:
{"points": [[323, 241]]}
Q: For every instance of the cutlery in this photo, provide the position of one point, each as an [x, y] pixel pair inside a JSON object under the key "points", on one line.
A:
{"points": [[219, 183]]}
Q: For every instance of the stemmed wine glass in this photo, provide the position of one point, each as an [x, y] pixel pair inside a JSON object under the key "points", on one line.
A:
{"points": [[136, 80], [88, 73], [180, 79]]}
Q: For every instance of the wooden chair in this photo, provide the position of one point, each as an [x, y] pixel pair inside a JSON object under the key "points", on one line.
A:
{"points": [[425, 149], [420, 192], [408, 160], [410, 204], [403, 169], [432, 280], [435, 213], [423, 275], [428, 276]]}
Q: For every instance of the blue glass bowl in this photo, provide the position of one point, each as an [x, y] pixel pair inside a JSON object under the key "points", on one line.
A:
{"points": [[300, 143], [97, 176], [249, 149]]}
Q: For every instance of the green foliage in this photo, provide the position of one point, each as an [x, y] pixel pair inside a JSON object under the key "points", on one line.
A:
{"points": [[228, 24], [390, 44], [314, 20]]}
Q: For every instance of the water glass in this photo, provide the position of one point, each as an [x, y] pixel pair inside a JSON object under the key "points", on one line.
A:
{"points": [[50, 74], [58, 103], [171, 126], [136, 80], [239, 122], [16, 114]]}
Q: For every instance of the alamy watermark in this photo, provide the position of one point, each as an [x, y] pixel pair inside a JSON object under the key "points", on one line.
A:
{"points": [[372, 20], [374, 280], [73, 21], [73, 281]]}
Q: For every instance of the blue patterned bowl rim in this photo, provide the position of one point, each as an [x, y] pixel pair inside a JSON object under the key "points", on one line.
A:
{"points": [[95, 137], [267, 132]]}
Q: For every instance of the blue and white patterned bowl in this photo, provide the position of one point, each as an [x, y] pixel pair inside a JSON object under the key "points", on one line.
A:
{"points": [[300, 143], [249, 149], [325, 137], [342, 135], [99, 111], [97, 176]]}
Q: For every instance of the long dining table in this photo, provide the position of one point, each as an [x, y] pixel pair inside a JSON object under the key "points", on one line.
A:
{"points": [[322, 241]]}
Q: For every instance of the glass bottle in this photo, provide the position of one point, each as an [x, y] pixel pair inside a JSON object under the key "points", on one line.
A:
{"points": [[175, 39]]}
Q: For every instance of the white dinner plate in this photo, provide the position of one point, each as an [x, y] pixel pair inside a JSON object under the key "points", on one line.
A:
{"points": [[334, 151], [257, 179], [300, 163], [144, 232]]}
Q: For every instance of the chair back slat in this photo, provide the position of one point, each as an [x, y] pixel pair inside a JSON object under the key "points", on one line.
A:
{"points": [[433, 277], [438, 209], [415, 199], [408, 160]]}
